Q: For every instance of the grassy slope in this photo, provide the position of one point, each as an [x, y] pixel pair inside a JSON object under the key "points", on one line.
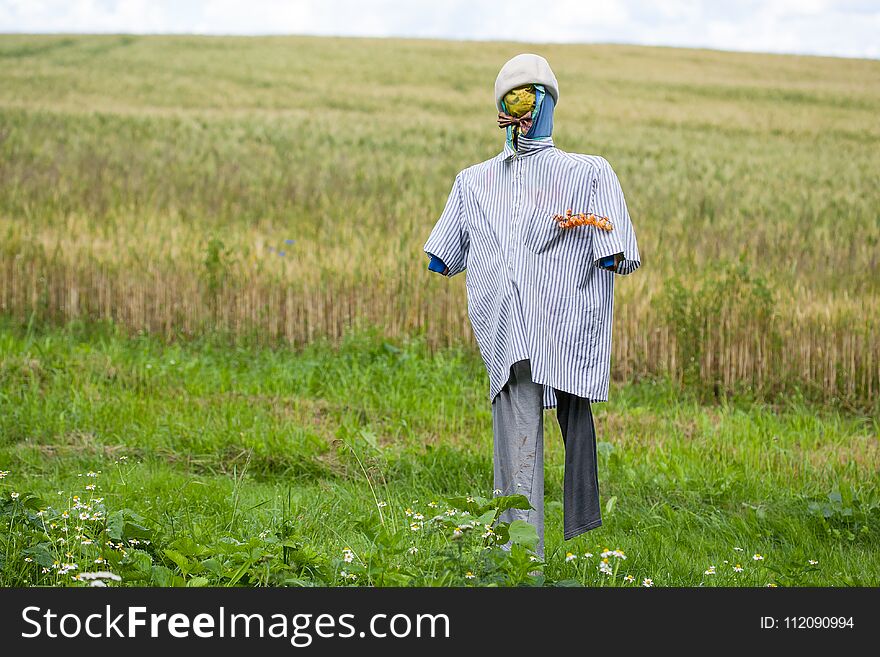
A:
{"points": [[747, 150], [134, 151], [252, 131]]}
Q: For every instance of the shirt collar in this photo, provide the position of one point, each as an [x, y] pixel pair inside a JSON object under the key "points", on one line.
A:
{"points": [[526, 147]]}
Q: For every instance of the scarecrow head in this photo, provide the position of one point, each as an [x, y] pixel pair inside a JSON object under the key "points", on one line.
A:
{"points": [[526, 92]]}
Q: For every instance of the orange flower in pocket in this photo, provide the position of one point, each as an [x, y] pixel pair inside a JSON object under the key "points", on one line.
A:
{"points": [[570, 220]]}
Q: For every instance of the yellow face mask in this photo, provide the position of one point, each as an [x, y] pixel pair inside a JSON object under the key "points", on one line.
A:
{"points": [[520, 100]]}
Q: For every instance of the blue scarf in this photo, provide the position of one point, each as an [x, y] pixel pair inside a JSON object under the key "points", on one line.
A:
{"points": [[542, 117]]}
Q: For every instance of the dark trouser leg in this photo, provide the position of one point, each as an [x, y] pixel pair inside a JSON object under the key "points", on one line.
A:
{"points": [[581, 491], [518, 431]]}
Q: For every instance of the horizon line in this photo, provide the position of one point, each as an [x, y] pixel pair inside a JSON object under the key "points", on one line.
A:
{"points": [[257, 35]]}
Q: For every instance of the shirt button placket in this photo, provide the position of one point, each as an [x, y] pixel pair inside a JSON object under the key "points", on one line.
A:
{"points": [[516, 207]]}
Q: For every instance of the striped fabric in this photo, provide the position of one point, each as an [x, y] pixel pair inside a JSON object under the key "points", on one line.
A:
{"points": [[535, 290]]}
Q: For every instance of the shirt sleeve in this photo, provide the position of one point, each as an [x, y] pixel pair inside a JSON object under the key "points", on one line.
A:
{"points": [[449, 240], [609, 202]]}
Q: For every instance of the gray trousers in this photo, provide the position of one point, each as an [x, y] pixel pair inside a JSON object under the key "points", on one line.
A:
{"points": [[518, 434]]}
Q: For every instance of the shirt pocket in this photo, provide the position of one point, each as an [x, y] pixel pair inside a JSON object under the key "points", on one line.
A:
{"points": [[581, 201], [580, 235], [542, 234]]}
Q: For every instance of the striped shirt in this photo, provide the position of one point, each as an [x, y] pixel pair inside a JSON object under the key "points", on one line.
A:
{"points": [[535, 290]]}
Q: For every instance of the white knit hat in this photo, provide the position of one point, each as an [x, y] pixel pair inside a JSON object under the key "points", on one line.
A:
{"points": [[525, 69]]}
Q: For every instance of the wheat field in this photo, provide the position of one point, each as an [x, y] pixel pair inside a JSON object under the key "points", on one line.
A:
{"points": [[281, 189]]}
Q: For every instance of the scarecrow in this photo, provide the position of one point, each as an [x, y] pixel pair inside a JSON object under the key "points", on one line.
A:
{"points": [[542, 233]]}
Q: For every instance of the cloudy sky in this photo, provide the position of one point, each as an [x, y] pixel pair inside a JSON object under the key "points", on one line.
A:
{"points": [[822, 27]]}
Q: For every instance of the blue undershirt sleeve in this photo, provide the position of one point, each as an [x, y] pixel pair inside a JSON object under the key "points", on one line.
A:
{"points": [[436, 264]]}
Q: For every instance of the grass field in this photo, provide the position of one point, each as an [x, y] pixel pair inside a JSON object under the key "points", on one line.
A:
{"points": [[227, 454], [214, 300]]}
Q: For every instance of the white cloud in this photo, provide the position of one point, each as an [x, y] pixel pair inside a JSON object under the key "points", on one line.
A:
{"points": [[845, 28]]}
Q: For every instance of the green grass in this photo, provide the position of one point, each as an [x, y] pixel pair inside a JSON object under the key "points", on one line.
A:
{"points": [[223, 442]]}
